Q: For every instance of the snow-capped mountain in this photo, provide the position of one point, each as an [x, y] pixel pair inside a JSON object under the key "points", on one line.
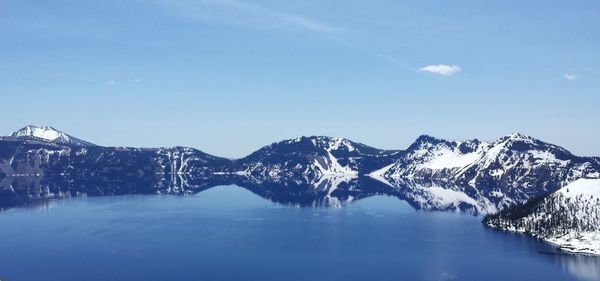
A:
{"points": [[49, 134], [312, 157], [38, 163], [430, 157], [469, 175], [21, 155], [568, 218], [515, 165]]}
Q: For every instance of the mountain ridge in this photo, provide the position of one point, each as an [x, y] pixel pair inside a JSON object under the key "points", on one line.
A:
{"points": [[510, 173], [509, 170]]}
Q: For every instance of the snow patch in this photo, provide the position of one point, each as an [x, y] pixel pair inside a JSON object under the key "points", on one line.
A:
{"points": [[446, 158], [586, 187], [45, 132], [329, 166]]}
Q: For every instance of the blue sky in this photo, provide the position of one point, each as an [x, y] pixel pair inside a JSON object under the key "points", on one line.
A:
{"points": [[228, 76]]}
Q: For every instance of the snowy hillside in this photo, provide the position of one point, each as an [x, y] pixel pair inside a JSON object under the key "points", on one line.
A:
{"points": [[515, 164], [436, 158], [311, 158], [568, 218]]}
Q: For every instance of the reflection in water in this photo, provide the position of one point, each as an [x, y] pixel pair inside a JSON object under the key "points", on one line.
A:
{"points": [[330, 191], [584, 267], [326, 191]]}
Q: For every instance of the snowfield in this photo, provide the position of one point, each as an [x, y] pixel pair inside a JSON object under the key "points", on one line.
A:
{"points": [[581, 187], [445, 158], [45, 132]]}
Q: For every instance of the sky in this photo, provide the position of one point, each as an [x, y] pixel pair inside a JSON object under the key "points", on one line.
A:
{"points": [[229, 76]]}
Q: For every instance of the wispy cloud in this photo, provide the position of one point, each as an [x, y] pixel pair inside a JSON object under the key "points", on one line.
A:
{"points": [[441, 69], [395, 61], [240, 12], [310, 24], [570, 76]]}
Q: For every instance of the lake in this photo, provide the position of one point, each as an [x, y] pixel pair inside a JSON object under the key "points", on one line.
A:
{"points": [[229, 233]]}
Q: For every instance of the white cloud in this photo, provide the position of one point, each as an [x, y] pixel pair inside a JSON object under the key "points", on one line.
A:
{"points": [[240, 12], [441, 69], [570, 76]]}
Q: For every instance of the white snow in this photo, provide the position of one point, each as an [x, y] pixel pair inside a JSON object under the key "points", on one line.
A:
{"points": [[583, 242], [586, 187], [337, 142], [449, 197], [446, 158], [491, 154], [519, 136], [444, 198], [332, 167], [496, 172], [44, 132], [380, 174], [329, 183], [48, 134], [543, 157]]}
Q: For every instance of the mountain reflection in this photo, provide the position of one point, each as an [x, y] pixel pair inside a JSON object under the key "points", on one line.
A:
{"points": [[584, 267], [326, 191]]}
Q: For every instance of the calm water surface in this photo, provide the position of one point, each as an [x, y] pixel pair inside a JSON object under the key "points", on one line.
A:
{"points": [[228, 233]]}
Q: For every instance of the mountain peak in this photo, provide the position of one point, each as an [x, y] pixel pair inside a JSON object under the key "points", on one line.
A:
{"points": [[522, 141], [42, 132], [519, 136], [48, 134], [427, 138]]}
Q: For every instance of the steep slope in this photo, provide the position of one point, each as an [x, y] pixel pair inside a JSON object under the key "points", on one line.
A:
{"points": [[568, 218]]}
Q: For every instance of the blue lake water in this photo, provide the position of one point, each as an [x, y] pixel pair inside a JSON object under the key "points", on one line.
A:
{"points": [[228, 233]]}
